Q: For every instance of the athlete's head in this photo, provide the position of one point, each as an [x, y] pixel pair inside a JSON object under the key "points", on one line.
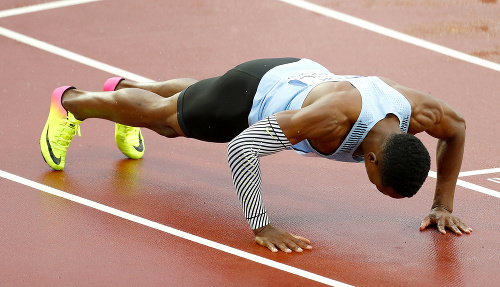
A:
{"points": [[402, 166]]}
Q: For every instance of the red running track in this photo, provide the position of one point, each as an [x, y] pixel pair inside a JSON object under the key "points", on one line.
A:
{"points": [[359, 236]]}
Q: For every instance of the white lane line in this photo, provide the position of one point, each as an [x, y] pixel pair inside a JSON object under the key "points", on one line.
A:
{"points": [[172, 231], [41, 7], [471, 186], [391, 33], [71, 56], [495, 179], [479, 172]]}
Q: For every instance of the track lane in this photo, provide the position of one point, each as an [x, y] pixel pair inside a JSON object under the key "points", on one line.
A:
{"points": [[103, 177]]}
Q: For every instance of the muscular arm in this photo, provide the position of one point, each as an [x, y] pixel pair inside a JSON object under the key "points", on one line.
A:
{"points": [[449, 129], [441, 121], [450, 132]]}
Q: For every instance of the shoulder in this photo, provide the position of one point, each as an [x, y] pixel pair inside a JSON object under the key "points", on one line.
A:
{"points": [[429, 114]]}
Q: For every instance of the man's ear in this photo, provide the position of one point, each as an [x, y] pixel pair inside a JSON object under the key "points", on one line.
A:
{"points": [[372, 157]]}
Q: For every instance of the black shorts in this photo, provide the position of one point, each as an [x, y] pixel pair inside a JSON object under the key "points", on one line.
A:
{"points": [[216, 109]]}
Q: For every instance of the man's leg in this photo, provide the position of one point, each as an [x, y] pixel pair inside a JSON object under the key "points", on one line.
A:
{"points": [[164, 89], [129, 139], [130, 106]]}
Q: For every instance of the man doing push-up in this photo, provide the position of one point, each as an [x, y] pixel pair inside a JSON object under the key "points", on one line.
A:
{"points": [[268, 105]]}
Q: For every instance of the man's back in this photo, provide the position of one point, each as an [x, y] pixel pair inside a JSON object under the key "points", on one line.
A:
{"points": [[335, 117]]}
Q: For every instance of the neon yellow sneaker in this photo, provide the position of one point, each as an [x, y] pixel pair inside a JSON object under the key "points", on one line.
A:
{"points": [[59, 130], [128, 139]]}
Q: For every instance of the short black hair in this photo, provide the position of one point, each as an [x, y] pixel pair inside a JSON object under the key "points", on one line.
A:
{"points": [[405, 164]]}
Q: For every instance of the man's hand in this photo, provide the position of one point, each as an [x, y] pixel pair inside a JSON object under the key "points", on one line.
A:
{"points": [[274, 239], [443, 219]]}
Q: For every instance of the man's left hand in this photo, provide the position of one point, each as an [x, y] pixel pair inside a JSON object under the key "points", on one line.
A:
{"points": [[443, 219]]}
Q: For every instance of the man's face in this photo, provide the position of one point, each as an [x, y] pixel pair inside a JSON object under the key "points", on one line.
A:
{"points": [[375, 178], [389, 191]]}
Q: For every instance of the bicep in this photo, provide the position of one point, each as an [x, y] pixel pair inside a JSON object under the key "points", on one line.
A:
{"points": [[311, 122]]}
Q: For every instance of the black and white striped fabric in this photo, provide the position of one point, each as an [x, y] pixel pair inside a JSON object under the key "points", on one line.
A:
{"points": [[263, 138]]}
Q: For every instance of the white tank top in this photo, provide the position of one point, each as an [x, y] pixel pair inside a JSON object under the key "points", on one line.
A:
{"points": [[290, 88]]}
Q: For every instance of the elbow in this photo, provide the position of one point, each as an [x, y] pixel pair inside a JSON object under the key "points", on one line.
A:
{"points": [[458, 123], [461, 125], [461, 122], [459, 129], [238, 148]]}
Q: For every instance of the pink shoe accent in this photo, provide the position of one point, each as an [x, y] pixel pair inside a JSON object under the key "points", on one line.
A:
{"points": [[56, 99], [111, 83]]}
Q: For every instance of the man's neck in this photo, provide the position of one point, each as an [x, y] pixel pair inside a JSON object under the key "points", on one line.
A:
{"points": [[376, 136]]}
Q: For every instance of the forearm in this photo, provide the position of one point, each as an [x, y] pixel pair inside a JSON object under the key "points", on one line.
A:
{"points": [[449, 161], [263, 138]]}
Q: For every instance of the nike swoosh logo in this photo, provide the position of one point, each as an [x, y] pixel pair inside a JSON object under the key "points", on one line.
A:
{"points": [[52, 155], [140, 147]]}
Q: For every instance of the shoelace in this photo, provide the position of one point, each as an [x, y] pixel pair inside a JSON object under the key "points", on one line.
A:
{"points": [[124, 131], [66, 132]]}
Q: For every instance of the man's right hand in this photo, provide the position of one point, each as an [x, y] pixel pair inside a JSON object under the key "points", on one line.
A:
{"points": [[275, 238]]}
